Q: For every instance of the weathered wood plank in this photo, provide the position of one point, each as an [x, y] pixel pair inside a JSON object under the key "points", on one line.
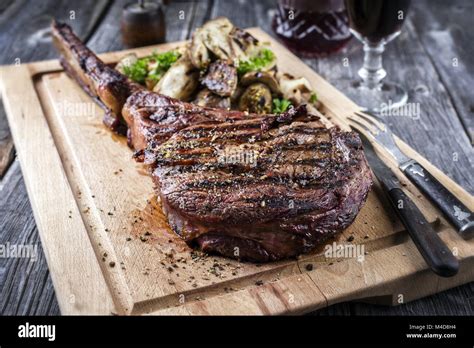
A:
{"points": [[444, 32], [242, 14], [26, 285], [4, 4], [6, 144], [27, 36], [181, 17]]}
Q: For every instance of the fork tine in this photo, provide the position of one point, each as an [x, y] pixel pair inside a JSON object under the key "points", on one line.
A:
{"points": [[365, 115], [372, 121], [368, 124], [363, 126]]}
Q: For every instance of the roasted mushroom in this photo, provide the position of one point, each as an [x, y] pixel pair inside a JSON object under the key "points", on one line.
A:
{"points": [[265, 77], [180, 81], [211, 37], [206, 98], [296, 90], [126, 61], [223, 40], [221, 78], [257, 98], [234, 98], [244, 41]]}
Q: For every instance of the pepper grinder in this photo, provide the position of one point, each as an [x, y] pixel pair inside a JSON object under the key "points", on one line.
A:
{"points": [[143, 23]]}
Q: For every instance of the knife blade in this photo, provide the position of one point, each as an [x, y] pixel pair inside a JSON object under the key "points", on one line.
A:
{"points": [[455, 211], [433, 250]]}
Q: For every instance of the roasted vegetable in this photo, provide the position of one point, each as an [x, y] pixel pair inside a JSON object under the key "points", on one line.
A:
{"points": [[160, 63], [263, 60], [220, 38], [243, 43], [136, 71], [150, 68], [221, 78], [180, 81], [257, 98], [266, 77], [224, 67], [212, 36], [234, 98], [126, 61], [206, 98], [296, 90]]}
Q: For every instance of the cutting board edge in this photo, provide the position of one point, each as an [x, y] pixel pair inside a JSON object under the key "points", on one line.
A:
{"points": [[415, 284], [73, 293]]}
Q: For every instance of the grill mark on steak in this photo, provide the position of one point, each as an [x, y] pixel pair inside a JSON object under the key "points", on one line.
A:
{"points": [[142, 109], [285, 196], [297, 183], [294, 152]]}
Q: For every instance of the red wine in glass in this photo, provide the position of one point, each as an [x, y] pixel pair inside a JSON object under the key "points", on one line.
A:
{"points": [[375, 23], [312, 28], [375, 20]]}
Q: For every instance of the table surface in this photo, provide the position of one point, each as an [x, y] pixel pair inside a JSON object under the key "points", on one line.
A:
{"points": [[433, 58]]}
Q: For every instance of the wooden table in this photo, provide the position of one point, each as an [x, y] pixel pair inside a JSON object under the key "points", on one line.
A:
{"points": [[433, 58]]}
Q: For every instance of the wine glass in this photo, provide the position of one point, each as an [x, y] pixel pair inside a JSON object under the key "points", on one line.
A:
{"points": [[375, 23]]}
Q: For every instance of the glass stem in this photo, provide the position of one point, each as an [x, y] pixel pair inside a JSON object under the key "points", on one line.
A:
{"points": [[372, 71]]}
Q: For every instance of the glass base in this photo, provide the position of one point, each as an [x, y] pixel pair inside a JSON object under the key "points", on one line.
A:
{"points": [[386, 96]]}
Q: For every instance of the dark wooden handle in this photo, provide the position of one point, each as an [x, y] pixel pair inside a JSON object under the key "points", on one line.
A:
{"points": [[453, 209], [436, 254]]}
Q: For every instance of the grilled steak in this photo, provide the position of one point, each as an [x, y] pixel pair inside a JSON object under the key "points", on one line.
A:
{"points": [[253, 187], [261, 189], [153, 117], [107, 86]]}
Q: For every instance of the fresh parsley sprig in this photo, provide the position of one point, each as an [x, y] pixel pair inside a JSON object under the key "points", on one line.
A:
{"points": [[161, 62], [256, 63], [137, 71], [280, 105]]}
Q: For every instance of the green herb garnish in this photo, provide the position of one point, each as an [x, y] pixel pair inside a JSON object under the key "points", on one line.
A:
{"points": [[280, 105], [137, 71], [163, 62], [160, 62], [263, 58], [313, 98]]}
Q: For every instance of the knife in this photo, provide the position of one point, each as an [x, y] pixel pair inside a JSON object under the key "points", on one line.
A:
{"points": [[435, 252], [452, 208]]}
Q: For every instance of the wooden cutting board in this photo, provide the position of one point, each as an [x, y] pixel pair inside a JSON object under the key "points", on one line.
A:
{"points": [[110, 250]]}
